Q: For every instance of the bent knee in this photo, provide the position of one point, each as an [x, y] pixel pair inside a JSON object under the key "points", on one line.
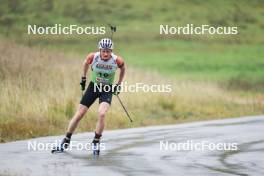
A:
{"points": [[81, 112], [102, 114]]}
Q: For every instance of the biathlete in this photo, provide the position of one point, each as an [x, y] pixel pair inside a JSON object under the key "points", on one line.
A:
{"points": [[104, 65]]}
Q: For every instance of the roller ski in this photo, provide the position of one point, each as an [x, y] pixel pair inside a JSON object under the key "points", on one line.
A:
{"points": [[96, 145], [64, 145]]}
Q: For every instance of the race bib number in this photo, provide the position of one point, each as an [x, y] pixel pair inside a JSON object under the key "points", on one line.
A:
{"points": [[102, 80]]}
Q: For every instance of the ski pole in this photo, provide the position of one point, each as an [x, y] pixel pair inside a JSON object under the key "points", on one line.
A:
{"points": [[124, 108], [113, 29]]}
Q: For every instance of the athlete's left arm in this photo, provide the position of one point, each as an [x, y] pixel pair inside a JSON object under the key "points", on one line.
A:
{"points": [[121, 65]]}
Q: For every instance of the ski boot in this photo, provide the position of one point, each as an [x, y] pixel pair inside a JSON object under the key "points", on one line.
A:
{"points": [[64, 145], [96, 146]]}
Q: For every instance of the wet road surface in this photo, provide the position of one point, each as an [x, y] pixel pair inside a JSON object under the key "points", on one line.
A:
{"points": [[149, 151]]}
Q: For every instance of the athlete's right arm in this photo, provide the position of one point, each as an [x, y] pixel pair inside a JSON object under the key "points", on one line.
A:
{"points": [[86, 63]]}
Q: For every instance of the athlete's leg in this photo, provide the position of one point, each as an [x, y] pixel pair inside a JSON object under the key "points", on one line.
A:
{"points": [[71, 127], [103, 107], [86, 101], [76, 118]]}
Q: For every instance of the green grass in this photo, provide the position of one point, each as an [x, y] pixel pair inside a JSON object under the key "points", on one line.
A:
{"points": [[213, 58], [228, 64], [40, 92]]}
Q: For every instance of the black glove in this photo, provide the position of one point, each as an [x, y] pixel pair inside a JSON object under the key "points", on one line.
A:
{"points": [[116, 89], [82, 83]]}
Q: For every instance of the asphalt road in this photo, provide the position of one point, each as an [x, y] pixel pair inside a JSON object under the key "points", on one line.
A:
{"points": [[149, 151]]}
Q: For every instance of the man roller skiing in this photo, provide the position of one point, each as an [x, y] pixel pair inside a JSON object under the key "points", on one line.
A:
{"points": [[103, 66]]}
